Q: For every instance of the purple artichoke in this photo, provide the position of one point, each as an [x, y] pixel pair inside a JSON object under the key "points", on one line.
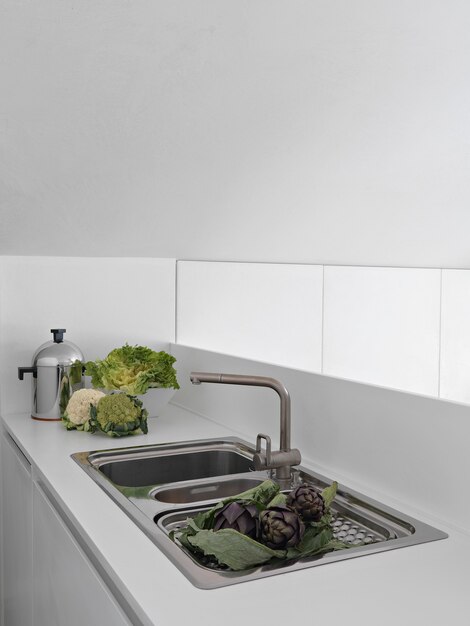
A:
{"points": [[238, 516], [281, 527], [307, 502]]}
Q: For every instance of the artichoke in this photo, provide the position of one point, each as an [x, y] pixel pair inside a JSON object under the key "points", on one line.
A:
{"points": [[238, 516], [281, 527], [307, 502]]}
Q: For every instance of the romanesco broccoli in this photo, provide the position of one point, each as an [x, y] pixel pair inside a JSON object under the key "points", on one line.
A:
{"points": [[119, 414]]}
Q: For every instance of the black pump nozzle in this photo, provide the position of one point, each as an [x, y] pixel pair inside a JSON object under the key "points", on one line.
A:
{"points": [[58, 334]]}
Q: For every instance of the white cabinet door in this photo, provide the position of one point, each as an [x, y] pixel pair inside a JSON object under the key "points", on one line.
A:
{"points": [[67, 590], [17, 535]]}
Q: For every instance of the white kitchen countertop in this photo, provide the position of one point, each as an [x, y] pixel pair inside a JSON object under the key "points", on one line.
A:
{"points": [[423, 584]]}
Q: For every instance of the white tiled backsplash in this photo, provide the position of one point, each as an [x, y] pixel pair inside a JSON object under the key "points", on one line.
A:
{"points": [[402, 328], [381, 326], [455, 336], [266, 312], [406, 329]]}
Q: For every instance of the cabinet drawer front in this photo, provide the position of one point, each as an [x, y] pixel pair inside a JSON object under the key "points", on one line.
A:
{"points": [[17, 531], [67, 588]]}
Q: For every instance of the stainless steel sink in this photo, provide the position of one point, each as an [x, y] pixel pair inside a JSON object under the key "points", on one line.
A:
{"points": [[217, 489], [161, 486], [172, 466]]}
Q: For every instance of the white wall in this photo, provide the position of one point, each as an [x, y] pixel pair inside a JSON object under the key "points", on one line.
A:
{"points": [[304, 131], [266, 312], [103, 303], [401, 328], [384, 443]]}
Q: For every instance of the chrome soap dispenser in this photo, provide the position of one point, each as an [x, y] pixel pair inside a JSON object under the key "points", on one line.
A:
{"points": [[57, 369]]}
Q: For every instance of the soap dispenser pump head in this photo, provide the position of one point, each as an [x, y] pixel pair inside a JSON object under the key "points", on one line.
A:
{"points": [[58, 334]]}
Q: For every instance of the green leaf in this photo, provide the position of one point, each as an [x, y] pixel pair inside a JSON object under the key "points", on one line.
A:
{"points": [[65, 393], [324, 522], [261, 494], [194, 524], [198, 521], [279, 499], [76, 372], [89, 427], [133, 369], [233, 549], [313, 540], [184, 540], [328, 494], [136, 492], [204, 519], [313, 543]]}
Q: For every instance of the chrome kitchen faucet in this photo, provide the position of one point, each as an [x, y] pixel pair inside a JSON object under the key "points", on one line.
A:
{"points": [[280, 460]]}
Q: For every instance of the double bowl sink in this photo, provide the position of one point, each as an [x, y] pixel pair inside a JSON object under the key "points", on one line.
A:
{"points": [[161, 486]]}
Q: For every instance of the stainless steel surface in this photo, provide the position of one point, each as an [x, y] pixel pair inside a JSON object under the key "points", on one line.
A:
{"points": [[64, 351], [57, 373], [175, 467], [281, 460], [159, 508], [217, 489]]}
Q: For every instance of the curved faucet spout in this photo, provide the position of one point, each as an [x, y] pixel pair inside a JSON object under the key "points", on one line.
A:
{"points": [[286, 457]]}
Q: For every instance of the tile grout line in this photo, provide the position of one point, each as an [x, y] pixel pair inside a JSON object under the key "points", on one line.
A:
{"points": [[322, 317], [176, 301], [439, 352]]}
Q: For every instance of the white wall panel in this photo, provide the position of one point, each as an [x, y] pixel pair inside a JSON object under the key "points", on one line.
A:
{"points": [[381, 326], [102, 303], [267, 312], [455, 336]]}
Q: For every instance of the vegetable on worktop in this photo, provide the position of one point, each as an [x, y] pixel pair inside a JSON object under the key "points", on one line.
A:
{"points": [[115, 415], [131, 370], [259, 526], [77, 412], [118, 415], [134, 370]]}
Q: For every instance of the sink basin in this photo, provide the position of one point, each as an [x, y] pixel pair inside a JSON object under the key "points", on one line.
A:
{"points": [[161, 486], [172, 467], [214, 490]]}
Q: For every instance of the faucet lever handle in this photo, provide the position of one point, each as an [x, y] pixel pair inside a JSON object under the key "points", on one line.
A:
{"points": [[260, 459]]}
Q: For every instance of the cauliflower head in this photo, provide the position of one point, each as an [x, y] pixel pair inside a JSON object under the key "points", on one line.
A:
{"points": [[77, 411], [118, 415]]}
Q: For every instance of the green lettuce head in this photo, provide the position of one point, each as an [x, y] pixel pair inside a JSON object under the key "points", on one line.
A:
{"points": [[133, 369]]}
